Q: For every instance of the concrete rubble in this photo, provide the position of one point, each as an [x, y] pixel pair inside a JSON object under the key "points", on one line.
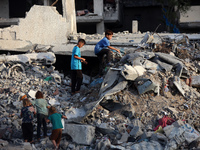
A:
{"points": [[148, 100]]}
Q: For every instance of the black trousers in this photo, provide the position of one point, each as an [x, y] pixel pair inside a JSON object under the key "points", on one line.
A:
{"points": [[41, 121], [101, 59], [27, 130], [77, 79]]}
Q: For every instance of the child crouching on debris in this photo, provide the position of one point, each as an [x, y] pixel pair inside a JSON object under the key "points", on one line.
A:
{"points": [[103, 47], [76, 67], [41, 106], [55, 119], [27, 113]]}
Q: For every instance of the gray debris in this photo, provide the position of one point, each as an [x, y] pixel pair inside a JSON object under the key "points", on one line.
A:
{"points": [[81, 134]]}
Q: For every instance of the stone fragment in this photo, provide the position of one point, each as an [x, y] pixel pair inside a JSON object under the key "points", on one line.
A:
{"points": [[131, 73], [86, 79], [3, 143], [32, 93], [196, 81], [152, 145], [146, 85], [136, 128], [81, 134], [103, 144]]}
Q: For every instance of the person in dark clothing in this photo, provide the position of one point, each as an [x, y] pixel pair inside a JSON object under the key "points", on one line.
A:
{"points": [[27, 113], [76, 67]]}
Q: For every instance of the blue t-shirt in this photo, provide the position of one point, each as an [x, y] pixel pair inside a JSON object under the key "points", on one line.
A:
{"points": [[104, 43], [76, 63], [56, 121]]}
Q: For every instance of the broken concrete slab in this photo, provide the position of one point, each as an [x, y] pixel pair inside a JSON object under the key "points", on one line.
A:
{"points": [[179, 87], [145, 85], [46, 58], [136, 128], [45, 27], [131, 73], [81, 134], [15, 45]]}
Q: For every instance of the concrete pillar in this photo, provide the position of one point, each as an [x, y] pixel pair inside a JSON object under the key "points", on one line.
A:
{"points": [[69, 12], [46, 3], [4, 8], [134, 26], [98, 9], [100, 27]]}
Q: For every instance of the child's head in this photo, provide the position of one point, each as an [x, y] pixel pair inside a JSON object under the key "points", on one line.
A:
{"points": [[108, 34], [23, 96], [52, 110], [26, 102], [39, 95], [81, 43]]}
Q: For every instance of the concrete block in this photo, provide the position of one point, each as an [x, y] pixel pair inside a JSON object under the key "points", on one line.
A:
{"points": [[81, 134], [134, 26], [137, 128], [168, 130], [196, 81], [131, 73]]}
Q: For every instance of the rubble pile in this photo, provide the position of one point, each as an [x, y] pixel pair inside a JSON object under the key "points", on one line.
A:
{"points": [[148, 100]]}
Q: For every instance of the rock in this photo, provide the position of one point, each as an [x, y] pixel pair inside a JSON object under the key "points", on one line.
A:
{"points": [[136, 128], [152, 145], [131, 73], [3, 143], [103, 144], [86, 79], [196, 81], [81, 134]]}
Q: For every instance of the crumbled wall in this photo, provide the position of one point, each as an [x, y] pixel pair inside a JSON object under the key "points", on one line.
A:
{"points": [[42, 25]]}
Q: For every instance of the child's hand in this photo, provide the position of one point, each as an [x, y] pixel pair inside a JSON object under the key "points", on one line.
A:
{"points": [[85, 62], [63, 116], [118, 51], [83, 59]]}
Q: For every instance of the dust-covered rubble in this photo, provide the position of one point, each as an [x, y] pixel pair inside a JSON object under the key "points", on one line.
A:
{"points": [[149, 99]]}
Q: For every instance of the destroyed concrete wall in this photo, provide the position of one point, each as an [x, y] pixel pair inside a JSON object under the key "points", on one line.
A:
{"points": [[42, 25], [4, 7]]}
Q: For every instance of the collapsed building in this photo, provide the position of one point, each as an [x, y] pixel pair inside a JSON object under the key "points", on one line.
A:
{"points": [[148, 100]]}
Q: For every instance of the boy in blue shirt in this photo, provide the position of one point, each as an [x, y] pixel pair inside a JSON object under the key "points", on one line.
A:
{"points": [[103, 47], [76, 67]]}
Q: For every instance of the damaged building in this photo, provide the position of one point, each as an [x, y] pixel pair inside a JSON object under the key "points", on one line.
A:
{"points": [[148, 99]]}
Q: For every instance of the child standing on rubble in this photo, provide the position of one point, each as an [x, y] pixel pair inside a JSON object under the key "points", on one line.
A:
{"points": [[27, 113], [103, 47], [55, 119], [76, 67], [41, 106]]}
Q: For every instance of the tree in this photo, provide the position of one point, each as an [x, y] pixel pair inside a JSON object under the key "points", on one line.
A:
{"points": [[171, 12]]}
